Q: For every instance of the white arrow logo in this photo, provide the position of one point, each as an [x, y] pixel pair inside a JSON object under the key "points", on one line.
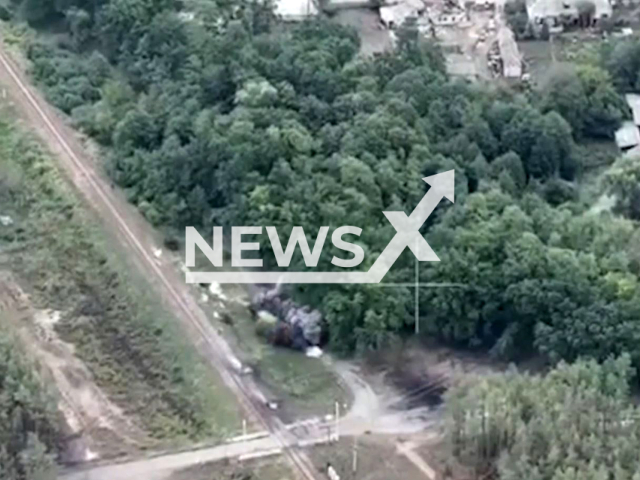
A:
{"points": [[407, 236]]}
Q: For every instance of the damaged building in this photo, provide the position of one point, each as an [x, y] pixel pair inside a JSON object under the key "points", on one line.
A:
{"points": [[558, 14], [628, 135]]}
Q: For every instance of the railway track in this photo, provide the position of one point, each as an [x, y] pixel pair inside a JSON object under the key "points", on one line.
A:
{"points": [[102, 198]]}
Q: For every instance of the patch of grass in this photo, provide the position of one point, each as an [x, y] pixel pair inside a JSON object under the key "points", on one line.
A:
{"points": [[306, 382], [542, 58], [305, 386], [377, 459], [66, 261], [274, 469], [537, 56], [596, 157]]}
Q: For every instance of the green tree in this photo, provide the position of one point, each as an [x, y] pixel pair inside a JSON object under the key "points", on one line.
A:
{"points": [[29, 425], [584, 425], [79, 24], [623, 180], [586, 98]]}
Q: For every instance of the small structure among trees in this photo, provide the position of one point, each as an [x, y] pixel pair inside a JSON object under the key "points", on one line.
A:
{"points": [[295, 10], [509, 54], [628, 135], [561, 14]]}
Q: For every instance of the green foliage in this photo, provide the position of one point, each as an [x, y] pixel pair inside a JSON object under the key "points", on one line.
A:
{"points": [[623, 181], [575, 422], [133, 348], [517, 18], [29, 423], [239, 124], [623, 61]]}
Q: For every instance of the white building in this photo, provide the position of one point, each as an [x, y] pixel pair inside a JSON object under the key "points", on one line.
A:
{"points": [[628, 136], [295, 10], [394, 16]]}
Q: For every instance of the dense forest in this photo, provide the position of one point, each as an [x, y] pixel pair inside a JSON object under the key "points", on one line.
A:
{"points": [[583, 427], [29, 423], [228, 117]]}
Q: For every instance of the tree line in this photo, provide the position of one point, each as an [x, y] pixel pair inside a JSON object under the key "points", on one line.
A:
{"points": [[576, 422], [29, 422]]}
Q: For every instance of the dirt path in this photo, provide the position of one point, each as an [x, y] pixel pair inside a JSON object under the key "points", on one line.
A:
{"points": [[139, 241], [309, 435], [371, 412], [96, 425], [162, 467], [407, 449]]}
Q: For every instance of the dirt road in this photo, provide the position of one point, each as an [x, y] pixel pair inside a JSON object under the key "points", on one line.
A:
{"points": [[162, 467], [302, 434], [139, 240]]}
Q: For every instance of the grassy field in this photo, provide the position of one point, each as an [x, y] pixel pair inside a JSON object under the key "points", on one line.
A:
{"points": [[305, 386], [272, 469], [543, 57], [65, 261]]}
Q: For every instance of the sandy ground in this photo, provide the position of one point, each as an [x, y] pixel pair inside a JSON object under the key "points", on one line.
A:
{"points": [[97, 427]]}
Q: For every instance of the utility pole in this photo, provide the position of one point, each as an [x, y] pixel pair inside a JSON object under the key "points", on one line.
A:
{"points": [[244, 431], [337, 419], [355, 455]]}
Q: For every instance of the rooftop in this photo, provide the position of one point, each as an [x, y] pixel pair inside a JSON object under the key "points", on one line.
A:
{"points": [[627, 136], [557, 8], [295, 9], [396, 14]]}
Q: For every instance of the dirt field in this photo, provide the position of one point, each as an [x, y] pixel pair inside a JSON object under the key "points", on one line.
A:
{"points": [[542, 58]]}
